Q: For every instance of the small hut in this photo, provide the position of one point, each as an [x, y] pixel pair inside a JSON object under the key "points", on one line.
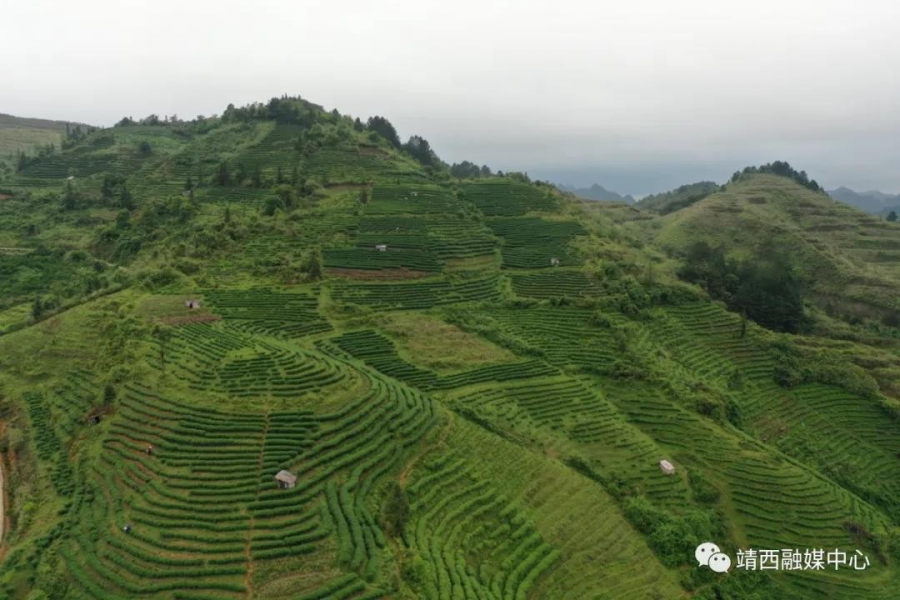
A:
{"points": [[192, 304], [666, 467], [381, 247], [93, 417], [285, 479], [554, 262], [127, 528]]}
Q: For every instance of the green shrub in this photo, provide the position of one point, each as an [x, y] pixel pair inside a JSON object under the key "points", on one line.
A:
{"points": [[704, 491], [673, 537]]}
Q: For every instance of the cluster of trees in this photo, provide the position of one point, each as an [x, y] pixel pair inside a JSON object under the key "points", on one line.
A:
{"points": [[240, 176], [23, 160], [294, 110], [74, 135], [766, 288], [892, 216], [783, 169], [672, 537], [469, 170], [385, 129], [417, 146], [115, 192], [158, 217], [324, 135], [153, 120]]}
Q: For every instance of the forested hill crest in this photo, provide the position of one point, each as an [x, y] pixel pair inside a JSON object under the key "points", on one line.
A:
{"points": [[469, 377]]}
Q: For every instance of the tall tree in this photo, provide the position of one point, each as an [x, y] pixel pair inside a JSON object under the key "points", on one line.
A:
{"points": [[419, 148], [69, 201], [385, 129], [37, 308], [223, 175], [126, 200]]}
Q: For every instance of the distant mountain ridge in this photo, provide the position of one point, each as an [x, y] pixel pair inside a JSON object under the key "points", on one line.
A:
{"points": [[597, 192], [872, 201]]}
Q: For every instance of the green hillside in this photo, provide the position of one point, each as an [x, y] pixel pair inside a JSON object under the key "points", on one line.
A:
{"points": [[19, 134], [679, 198], [851, 258], [473, 381]]}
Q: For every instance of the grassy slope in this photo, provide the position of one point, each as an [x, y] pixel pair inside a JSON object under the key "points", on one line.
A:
{"points": [[677, 199], [23, 134], [519, 457], [851, 257]]}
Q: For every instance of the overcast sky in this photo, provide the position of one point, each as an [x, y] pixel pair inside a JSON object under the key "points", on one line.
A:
{"points": [[640, 96]]}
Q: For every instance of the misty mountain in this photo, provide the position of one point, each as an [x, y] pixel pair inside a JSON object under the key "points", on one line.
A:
{"points": [[875, 202], [597, 192]]}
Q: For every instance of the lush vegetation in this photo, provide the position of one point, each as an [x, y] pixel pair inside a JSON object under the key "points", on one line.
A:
{"points": [[472, 376], [782, 169], [767, 288], [678, 198]]}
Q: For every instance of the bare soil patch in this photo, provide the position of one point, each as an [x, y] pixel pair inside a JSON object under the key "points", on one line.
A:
{"points": [[378, 274], [177, 321]]}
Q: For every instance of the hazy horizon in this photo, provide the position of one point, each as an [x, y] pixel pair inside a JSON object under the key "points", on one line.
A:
{"points": [[573, 93]]}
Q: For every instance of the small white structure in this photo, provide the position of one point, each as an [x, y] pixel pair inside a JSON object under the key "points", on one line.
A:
{"points": [[192, 304], [285, 479], [554, 262], [666, 467], [381, 247]]}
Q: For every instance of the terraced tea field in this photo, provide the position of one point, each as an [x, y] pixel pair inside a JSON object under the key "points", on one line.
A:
{"points": [[379, 352], [469, 524], [775, 502], [556, 284], [565, 336], [286, 315], [505, 198], [417, 295], [412, 227], [205, 512], [533, 243], [399, 384]]}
